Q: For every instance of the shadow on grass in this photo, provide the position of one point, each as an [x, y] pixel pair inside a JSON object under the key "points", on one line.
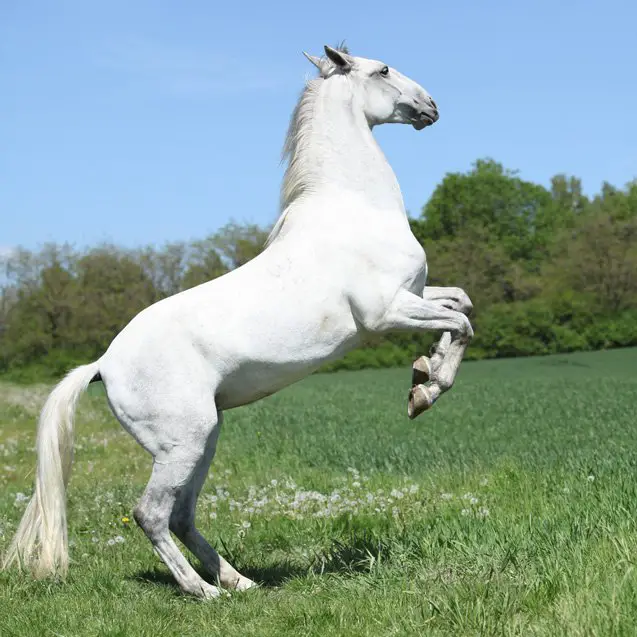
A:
{"points": [[358, 554]]}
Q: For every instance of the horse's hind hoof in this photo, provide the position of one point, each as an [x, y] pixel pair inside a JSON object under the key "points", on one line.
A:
{"points": [[420, 399], [421, 371]]}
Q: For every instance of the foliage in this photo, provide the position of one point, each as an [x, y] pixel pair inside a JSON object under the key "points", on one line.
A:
{"points": [[548, 269]]}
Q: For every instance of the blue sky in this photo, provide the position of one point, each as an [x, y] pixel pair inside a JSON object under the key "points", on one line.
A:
{"points": [[145, 122]]}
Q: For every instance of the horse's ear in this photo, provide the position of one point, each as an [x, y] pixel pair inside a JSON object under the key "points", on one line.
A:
{"points": [[341, 60], [315, 60]]}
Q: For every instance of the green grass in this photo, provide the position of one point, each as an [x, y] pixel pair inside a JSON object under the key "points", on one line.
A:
{"points": [[508, 509]]}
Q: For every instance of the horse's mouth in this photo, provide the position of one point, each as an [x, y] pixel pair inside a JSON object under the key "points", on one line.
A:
{"points": [[423, 121]]}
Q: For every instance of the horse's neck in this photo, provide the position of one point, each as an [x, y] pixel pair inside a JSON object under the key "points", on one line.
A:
{"points": [[343, 153]]}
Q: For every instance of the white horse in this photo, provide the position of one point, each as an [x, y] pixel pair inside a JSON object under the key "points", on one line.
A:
{"points": [[340, 263]]}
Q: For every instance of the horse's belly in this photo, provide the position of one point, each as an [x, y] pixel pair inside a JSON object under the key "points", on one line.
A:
{"points": [[256, 379]]}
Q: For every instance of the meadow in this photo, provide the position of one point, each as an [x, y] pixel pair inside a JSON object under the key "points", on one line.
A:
{"points": [[508, 509]]}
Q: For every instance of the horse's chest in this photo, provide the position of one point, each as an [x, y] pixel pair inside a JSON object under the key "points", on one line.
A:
{"points": [[402, 263]]}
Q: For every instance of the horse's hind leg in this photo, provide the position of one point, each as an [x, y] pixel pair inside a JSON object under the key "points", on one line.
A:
{"points": [[182, 524], [175, 467]]}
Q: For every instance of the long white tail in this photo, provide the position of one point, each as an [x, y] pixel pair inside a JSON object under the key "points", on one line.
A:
{"points": [[41, 540]]}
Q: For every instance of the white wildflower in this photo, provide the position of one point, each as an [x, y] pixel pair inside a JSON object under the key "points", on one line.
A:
{"points": [[20, 499]]}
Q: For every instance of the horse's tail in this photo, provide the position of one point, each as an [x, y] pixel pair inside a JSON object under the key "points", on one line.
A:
{"points": [[41, 541]]}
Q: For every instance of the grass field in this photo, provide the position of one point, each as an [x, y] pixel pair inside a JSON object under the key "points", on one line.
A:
{"points": [[509, 509]]}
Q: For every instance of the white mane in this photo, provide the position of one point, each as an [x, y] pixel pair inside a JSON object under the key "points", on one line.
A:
{"points": [[298, 175]]}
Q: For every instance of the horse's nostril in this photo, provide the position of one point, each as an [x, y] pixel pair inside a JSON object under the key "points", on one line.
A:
{"points": [[434, 104]]}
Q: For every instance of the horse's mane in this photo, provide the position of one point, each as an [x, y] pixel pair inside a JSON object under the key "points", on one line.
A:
{"points": [[297, 178]]}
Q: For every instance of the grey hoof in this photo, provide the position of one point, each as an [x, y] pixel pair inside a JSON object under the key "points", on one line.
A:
{"points": [[420, 399], [421, 371]]}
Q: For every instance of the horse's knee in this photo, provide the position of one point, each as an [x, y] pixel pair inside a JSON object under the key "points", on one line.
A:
{"points": [[181, 522], [147, 520]]}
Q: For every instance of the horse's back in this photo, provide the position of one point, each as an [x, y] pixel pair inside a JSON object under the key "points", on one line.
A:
{"points": [[244, 335]]}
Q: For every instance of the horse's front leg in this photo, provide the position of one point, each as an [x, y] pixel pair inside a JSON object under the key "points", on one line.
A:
{"points": [[436, 313], [442, 370], [425, 368]]}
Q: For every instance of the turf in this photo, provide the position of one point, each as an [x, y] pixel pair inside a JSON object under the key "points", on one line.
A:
{"points": [[508, 509]]}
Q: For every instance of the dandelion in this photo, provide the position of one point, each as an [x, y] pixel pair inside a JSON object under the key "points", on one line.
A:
{"points": [[446, 496], [473, 501], [591, 478], [483, 512], [245, 524], [125, 520], [484, 482], [213, 515], [274, 482], [465, 512]]}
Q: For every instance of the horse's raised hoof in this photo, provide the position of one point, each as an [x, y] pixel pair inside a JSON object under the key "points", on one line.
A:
{"points": [[420, 399], [421, 371]]}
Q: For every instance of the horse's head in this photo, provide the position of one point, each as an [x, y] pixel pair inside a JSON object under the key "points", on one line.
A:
{"points": [[386, 95]]}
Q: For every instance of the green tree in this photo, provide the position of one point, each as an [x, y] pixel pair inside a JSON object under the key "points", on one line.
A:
{"points": [[111, 287], [487, 197], [204, 263], [237, 244]]}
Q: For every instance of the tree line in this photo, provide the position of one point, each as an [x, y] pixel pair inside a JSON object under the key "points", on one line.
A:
{"points": [[548, 269]]}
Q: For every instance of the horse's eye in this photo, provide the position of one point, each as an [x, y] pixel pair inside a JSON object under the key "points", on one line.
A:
{"points": [[384, 71]]}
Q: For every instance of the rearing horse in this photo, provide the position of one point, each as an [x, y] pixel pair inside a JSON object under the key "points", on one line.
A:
{"points": [[340, 263]]}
